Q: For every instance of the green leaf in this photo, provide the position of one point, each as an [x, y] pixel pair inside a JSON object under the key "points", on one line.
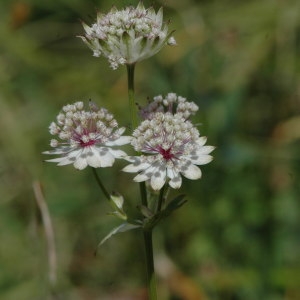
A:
{"points": [[150, 222], [175, 204], [146, 212], [121, 228]]}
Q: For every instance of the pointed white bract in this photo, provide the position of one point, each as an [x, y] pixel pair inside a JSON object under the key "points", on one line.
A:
{"points": [[127, 36], [171, 146], [84, 138]]}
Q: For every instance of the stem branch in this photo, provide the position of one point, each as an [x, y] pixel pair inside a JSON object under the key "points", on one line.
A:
{"points": [[102, 187]]}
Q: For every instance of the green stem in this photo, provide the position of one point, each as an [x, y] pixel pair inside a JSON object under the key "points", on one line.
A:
{"points": [[151, 280], [102, 187], [134, 121], [143, 194], [132, 105], [161, 198]]}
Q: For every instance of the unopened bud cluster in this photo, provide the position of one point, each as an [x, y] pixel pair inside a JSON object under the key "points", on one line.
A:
{"points": [[127, 36], [170, 103], [165, 132]]}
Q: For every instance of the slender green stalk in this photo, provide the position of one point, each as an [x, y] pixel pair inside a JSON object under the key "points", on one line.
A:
{"points": [[102, 187], [151, 282], [134, 121], [161, 198], [143, 194], [132, 105]]}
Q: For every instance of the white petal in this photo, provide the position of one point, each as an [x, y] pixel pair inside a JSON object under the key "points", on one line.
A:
{"points": [[133, 159], [120, 130], [132, 168], [93, 158], [80, 163], [159, 17], [176, 182], [147, 173], [117, 153], [122, 140], [66, 161], [140, 6], [202, 140], [191, 171], [158, 179], [175, 177], [201, 159], [94, 161], [59, 150], [106, 158], [137, 47], [205, 149], [55, 160], [73, 154], [83, 158], [141, 177], [87, 28]]}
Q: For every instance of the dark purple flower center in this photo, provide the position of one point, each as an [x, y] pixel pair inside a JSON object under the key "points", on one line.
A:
{"points": [[89, 143], [167, 155]]}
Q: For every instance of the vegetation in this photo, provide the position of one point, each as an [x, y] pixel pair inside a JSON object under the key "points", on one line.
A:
{"points": [[238, 237]]}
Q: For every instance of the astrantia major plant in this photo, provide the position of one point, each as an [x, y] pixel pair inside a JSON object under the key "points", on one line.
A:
{"points": [[165, 143]]}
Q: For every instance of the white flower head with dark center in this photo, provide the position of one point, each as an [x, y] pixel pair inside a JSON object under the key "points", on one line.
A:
{"points": [[171, 146], [170, 103], [85, 138], [127, 36]]}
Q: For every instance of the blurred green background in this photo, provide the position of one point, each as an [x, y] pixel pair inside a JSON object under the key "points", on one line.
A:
{"points": [[238, 237]]}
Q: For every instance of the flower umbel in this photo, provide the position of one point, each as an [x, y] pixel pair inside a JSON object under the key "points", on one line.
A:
{"points": [[170, 103], [171, 147], [127, 36], [85, 137]]}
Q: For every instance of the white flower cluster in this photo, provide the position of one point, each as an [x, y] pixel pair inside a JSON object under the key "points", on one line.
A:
{"points": [[169, 144], [171, 147], [170, 103], [127, 36], [85, 137]]}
